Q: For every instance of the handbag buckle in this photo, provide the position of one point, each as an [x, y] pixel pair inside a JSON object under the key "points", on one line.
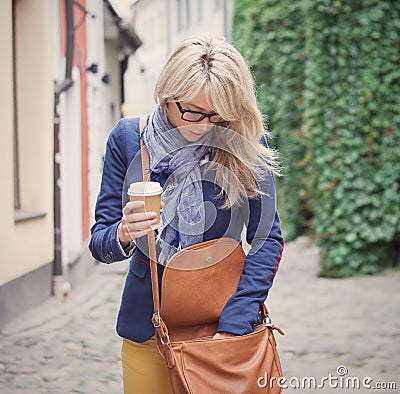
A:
{"points": [[267, 319], [168, 343], [156, 320]]}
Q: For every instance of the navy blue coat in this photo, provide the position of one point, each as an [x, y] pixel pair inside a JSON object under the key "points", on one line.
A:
{"points": [[240, 313]]}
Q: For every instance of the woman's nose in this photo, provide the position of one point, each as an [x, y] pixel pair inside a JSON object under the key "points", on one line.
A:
{"points": [[204, 126]]}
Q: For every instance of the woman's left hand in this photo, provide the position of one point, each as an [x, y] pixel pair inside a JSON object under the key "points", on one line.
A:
{"points": [[221, 335]]}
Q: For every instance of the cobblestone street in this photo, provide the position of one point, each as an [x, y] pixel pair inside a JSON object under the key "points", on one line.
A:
{"points": [[333, 323], [67, 347], [72, 347]]}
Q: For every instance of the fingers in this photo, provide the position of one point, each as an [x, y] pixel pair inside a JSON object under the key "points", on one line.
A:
{"points": [[133, 206], [138, 222], [221, 335], [139, 217], [139, 229], [137, 234]]}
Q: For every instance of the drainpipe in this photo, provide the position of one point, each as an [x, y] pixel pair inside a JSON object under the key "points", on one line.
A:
{"points": [[60, 288], [123, 65]]}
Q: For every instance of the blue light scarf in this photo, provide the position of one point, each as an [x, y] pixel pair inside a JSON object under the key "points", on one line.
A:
{"points": [[183, 216]]}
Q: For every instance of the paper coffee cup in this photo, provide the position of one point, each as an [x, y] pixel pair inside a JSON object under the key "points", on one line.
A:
{"points": [[150, 193]]}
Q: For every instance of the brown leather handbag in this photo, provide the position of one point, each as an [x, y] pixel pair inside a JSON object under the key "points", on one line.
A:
{"points": [[196, 284]]}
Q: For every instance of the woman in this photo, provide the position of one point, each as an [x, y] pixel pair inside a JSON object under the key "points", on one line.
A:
{"points": [[206, 122]]}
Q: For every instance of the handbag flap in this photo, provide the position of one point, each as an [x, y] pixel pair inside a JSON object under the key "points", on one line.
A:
{"points": [[197, 282]]}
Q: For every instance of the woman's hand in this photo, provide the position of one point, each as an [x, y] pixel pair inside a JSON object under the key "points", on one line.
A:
{"points": [[135, 222], [221, 335]]}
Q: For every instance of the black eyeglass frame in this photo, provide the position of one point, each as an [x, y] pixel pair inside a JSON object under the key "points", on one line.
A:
{"points": [[202, 115]]}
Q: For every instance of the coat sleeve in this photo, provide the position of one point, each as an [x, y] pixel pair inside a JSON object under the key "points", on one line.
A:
{"points": [[104, 244], [264, 236]]}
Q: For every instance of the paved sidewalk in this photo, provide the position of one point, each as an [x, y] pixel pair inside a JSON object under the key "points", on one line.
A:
{"points": [[71, 347], [67, 347], [334, 323]]}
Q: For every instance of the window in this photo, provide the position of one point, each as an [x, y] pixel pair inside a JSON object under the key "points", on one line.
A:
{"points": [[27, 127]]}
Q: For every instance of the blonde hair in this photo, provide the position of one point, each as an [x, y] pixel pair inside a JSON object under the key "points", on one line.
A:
{"points": [[212, 64]]}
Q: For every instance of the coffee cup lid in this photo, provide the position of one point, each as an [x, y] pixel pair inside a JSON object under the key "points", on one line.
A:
{"points": [[144, 189]]}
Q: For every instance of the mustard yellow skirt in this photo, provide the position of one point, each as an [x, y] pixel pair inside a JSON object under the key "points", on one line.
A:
{"points": [[144, 370]]}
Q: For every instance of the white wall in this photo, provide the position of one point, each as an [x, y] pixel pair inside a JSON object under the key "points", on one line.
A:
{"points": [[27, 245], [96, 99], [157, 24], [71, 171], [204, 17], [151, 25], [103, 99]]}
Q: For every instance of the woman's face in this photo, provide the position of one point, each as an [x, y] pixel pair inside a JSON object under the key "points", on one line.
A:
{"points": [[191, 131]]}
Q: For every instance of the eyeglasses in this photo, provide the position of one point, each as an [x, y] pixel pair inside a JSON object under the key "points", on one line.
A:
{"points": [[195, 116]]}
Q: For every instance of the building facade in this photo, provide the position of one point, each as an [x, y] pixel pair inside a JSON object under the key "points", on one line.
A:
{"points": [[26, 152], [162, 24], [62, 88]]}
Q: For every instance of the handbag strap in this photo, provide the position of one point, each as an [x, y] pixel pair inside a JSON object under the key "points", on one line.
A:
{"points": [[157, 321], [151, 237]]}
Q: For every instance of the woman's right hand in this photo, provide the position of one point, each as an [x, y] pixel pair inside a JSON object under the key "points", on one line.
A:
{"points": [[135, 222]]}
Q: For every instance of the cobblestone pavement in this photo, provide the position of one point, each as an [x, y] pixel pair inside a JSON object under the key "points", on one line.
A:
{"points": [[334, 323], [71, 347], [67, 347]]}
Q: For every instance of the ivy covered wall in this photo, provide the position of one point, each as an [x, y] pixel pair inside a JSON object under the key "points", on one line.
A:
{"points": [[273, 43], [328, 77]]}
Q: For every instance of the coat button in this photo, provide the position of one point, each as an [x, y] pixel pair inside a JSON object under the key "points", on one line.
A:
{"points": [[109, 255]]}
